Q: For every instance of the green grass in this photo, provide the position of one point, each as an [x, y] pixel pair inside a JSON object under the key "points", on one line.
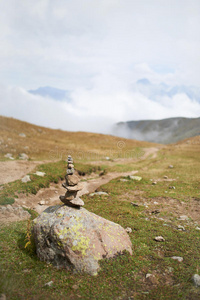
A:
{"points": [[23, 276], [54, 173]]}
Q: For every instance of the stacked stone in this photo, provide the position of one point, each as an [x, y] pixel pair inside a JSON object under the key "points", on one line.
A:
{"points": [[72, 185]]}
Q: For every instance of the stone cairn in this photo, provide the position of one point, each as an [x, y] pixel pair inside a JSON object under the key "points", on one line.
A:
{"points": [[72, 185]]}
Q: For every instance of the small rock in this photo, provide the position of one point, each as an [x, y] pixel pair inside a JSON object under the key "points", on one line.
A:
{"points": [[170, 166], [151, 278], [172, 187], [26, 271], [2, 297], [134, 204], [70, 171], [102, 173], [159, 239], [23, 156], [98, 193], [74, 188], [183, 218], [26, 179], [77, 201], [196, 280], [154, 182], [48, 283], [165, 177], [41, 174], [155, 202], [75, 287], [72, 179], [170, 269], [70, 166], [137, 178], [128, 230], [42, 202], [180, 227], [9, 208], [107, 158], [22, 134], [179, 258], [8, 155], [197, 228]]}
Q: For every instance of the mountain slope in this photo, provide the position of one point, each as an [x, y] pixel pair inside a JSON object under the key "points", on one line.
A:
{"points": [[43, 143], [156, 91], [159, 131], [51, 92]]}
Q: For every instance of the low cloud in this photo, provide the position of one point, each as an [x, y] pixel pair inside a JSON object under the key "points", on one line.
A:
{"points": [[92, 110]]}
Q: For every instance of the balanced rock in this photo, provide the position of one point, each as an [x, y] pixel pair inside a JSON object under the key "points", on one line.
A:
{"points": [[75, 188], [77, 239], [72, 185], [70, 166], [70, 171], [72, 179]]}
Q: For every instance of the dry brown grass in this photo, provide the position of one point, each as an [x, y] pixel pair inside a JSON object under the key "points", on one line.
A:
{"points": [[43, 143]]}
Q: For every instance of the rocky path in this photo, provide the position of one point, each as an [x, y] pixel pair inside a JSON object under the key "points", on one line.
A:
{"points": [[50, 196], [13, 170]]}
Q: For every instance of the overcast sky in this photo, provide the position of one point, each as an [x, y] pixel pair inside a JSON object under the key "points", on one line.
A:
{"points": [[97, 49]]}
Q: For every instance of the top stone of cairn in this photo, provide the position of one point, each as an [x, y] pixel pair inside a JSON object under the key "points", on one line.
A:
{"points": [[72, 185]]}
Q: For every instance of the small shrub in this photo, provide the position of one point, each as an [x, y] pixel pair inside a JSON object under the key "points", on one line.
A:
{"points": [[6, 200]]}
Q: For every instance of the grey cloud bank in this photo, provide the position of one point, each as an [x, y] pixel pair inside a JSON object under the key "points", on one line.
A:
{"points": [[97, 50]]}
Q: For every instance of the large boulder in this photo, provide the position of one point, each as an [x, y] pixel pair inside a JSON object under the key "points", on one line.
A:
{"points": [[77, 239]]}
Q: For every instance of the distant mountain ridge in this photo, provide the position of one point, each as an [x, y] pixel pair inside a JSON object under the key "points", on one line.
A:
{"points": [[164, 131], [156, 91], [51, 92]]}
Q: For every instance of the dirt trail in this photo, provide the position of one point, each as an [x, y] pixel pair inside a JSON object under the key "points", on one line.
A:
{"points": [[14, 170], [50, 195]]}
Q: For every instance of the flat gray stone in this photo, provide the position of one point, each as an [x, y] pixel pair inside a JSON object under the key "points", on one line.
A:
{"points": [[23, 156], [99, 194], [179, 258], [196, 280], [41, 174], [26, 179]]}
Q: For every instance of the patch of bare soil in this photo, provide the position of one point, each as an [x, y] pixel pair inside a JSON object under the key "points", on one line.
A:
{"points": [[143, 154], [166, 208], [50, 196], [14, 170]]}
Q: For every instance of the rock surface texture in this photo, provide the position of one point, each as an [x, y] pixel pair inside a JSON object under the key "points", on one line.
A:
{"points": [[77, 239]]}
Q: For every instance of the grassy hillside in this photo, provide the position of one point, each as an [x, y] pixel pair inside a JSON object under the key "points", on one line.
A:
{"points": [[42, 143], [151, 272], [164, 131]]}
